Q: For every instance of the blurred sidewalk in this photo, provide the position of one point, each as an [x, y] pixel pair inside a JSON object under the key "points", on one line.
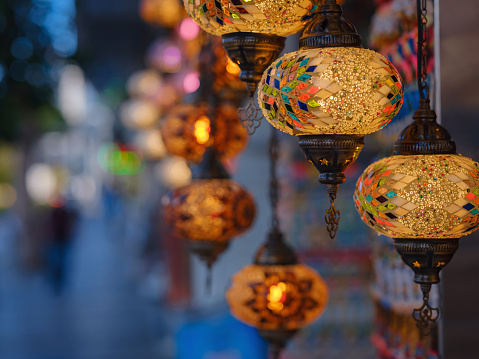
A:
{"points": [[99, 314]]}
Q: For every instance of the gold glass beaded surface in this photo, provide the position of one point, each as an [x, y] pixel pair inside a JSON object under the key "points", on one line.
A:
{"points": [[426, 196], [277, 17], [277, 297], [342, 90], [209, 210], [183, 135]]}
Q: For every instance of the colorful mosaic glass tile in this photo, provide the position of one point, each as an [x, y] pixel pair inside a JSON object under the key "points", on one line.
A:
{"points": [[427, 196], [358, 90], [278, 17]]}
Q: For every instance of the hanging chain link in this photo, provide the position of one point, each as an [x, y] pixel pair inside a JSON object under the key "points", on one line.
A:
{"points": [[274, 184], [422, 49]]}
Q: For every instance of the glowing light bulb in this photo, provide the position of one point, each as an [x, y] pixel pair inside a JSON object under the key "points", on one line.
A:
{"points": [[202, 130], [232, 68]]}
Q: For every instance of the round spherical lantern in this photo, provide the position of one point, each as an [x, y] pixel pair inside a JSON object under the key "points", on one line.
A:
{"points": [[282, 18], [342, 90], [423, 196], [330, 93], [186, 131], [277, 297], [426, 197], [209, 213]]}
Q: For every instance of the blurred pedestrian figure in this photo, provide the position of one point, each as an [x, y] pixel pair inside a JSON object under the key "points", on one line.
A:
{"points": [[61, 227]]}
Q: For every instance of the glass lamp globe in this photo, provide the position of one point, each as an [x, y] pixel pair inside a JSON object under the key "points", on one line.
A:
{"points": [[331, 90], [422, 196], [186, 132], [208, 213], [277, 297], [282, 18]]}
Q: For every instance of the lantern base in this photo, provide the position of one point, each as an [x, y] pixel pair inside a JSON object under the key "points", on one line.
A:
{"points": [[207, 251], [277, 339], [331, 155], [253, 53], [426, 257]]}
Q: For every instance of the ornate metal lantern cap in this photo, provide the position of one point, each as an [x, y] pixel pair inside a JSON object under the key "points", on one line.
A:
{"points": [[275, 251], [424, 136], [330, 29]]}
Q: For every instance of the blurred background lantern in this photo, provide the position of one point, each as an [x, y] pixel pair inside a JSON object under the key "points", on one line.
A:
{"points": [[166, 13], [213, 209], [276, 294], [425, 196], [330, 93], [209, 213], [253, 36], [150, 143], [139, 114], [186, 131]]}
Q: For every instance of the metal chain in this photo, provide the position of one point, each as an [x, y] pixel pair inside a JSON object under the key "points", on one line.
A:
{"points": [[274, 184], [422, 49]]}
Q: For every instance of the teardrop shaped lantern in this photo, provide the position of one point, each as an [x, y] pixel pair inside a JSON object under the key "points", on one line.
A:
{"points": [[276, 294], [330, 94], [425, 196], [253, 34]]}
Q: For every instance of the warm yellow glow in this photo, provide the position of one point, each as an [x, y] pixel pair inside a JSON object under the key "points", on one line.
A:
{"points": [[276, 292], [202, 130], [277, 297], [232, 68]]}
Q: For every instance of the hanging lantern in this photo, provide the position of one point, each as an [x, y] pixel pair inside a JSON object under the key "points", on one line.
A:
{"points": [[276, 294], [330, 94], [210, 211], [253, 36], [425, 196], [186, 131]]}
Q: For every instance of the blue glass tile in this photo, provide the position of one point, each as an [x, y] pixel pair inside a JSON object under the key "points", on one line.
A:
{"points": [[391, 194], [303, 106], [304, 77]]}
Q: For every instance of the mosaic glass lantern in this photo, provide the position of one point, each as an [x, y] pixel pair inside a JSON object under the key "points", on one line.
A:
{"points": [[209, 213], [186, 131], [253, 35], [330, 94], [276, 294], [425, 196]]}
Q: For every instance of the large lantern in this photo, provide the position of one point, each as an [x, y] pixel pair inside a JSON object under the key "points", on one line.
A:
{"points": [[425, 196], [330, 94]]}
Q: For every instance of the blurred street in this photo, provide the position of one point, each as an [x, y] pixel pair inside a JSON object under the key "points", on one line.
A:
{"points": [[98, 314]]}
